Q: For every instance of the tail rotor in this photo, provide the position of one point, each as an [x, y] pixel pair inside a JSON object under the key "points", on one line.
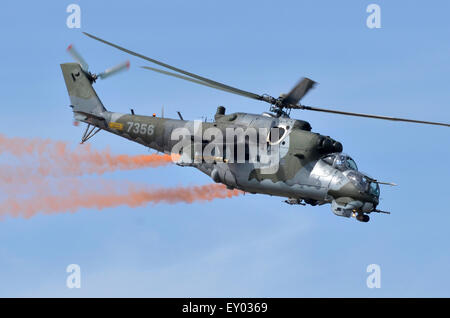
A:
{"points": [[85, 67]]}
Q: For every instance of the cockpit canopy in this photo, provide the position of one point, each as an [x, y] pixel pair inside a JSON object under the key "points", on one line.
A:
{"points": [[364, 183], [344, 162], [340, 161]]}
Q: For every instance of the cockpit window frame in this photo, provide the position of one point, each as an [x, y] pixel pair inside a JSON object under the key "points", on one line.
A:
{"points": [[350, 159], [374, 188], [341, 161], [329, 159]]}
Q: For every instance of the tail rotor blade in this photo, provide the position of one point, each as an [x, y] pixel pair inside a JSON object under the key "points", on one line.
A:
{"points": [[114, 70], [77, 57]]}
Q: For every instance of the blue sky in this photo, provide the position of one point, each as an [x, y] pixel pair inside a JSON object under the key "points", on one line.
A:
{"points": [[251, 245]]}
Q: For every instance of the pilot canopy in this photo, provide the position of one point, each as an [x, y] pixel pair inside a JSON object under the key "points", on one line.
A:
{"points": [[340, 161]]}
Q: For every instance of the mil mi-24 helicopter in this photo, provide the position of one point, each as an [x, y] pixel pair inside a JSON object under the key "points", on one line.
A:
{"points": [[311, 168]]}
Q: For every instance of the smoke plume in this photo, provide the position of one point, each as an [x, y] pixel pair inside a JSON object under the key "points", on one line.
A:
{"points": [[105, 196], [45, 178], [57, 159]]}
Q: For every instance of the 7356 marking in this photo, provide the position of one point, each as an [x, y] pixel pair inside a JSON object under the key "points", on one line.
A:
{"points": [[138, 128]]}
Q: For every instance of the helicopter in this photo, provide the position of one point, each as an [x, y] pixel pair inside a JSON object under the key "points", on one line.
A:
{"points": [[290, 160]]}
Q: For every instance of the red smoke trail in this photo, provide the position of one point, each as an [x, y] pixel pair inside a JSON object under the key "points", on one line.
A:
{"points": [[19, 146], [27, 190], [72, 199], [56, 158]]}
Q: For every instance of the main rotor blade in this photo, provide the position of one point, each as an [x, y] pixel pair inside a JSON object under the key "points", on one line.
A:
{"points": [[186, 78], [195, 76], [299, 90], [77, 57], [366, 115]]}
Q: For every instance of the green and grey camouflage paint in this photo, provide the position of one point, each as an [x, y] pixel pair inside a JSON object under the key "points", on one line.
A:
{"points": [[302, 175]]}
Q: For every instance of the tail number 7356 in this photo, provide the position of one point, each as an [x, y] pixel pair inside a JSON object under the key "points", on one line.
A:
{"points": [[140, 128]]}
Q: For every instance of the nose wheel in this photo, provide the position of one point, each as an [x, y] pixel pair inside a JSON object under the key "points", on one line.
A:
{"points": [[363, 218]]}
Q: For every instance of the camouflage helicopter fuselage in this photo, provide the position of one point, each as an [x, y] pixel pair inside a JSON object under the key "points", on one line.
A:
{"points": [[311, 167]]}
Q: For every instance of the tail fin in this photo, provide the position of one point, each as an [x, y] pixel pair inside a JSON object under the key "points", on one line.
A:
{"points": [[83, 97]]}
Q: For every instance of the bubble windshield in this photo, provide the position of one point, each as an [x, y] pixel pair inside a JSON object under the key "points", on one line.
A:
{"points": [[359, 180], [364, 183], [374, 189], [340, 161]]}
